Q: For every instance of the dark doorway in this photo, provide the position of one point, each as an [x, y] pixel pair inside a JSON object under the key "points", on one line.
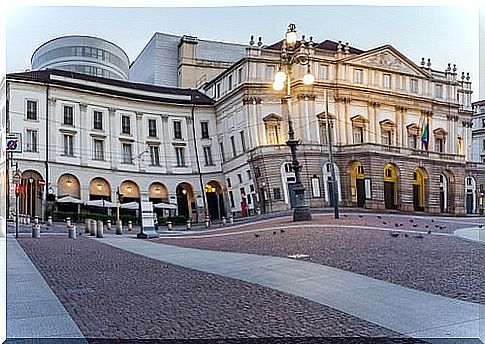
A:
{"points": [[331, 193], [291, 192], [442, 200], [389, 195], [183, 206], [469, 202], [360, 183], [416, 192], [214, 201]]}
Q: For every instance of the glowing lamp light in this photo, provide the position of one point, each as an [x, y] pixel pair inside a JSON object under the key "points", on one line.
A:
{"points": [[129, 189], [157, 190], [184, 191], [278, 86], [99, 186], [280, 77], [308, 79], [69, 182], [291, 35]]}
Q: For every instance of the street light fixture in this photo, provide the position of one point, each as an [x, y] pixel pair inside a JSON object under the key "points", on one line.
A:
{"points": [[288, 58]]}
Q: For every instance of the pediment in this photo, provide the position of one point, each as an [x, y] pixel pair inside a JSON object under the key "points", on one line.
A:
{"points": [[388, 58]]}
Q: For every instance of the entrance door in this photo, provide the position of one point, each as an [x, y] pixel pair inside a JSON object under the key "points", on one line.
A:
{"points": [[183, 206], [416, 194], [360, 183], [291, 191], [331, 194], [442, 200], [213, 205], [389, 195], [469, 202]]}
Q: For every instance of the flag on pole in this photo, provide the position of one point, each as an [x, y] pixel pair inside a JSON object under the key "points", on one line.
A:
{"points": [[425, 136]]}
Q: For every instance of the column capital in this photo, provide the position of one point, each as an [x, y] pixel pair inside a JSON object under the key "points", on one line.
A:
{"points": [[401, 108], [252, 100], [52, 100], [374, 104], [343, 99], [306, 96], [112, 110]]}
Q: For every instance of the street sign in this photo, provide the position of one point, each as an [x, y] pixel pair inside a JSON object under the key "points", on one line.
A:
{"points": [[17, 177], [14, 143], [41, 182]]}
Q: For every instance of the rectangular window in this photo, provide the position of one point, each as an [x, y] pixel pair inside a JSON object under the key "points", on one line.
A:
{"points": [[204, 126], [243, 193], [127, 153], [239, 177], [177, 130], [31, 141], [125, 125], [413, 86], [248, 172], [229, 182], [208, 156], [323, 72], [358, 135], [483, 122], [154, 155], [231, 198], [233, 145], [239, 75], [386, 81], [483, 145], [68, 145], [68, 115], [218, 90], [98, 120], [32, 110], [152, 128], [387, 137], [439, 91], [413, 141], [251, 188], [439, 145], [98, 149], [269, 72], [243, 140], [223, 156], [358, 76], [229, 82], [180, 154]]}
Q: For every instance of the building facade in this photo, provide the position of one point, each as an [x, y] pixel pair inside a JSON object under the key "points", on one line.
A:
{"points": [[402, 132], [478, 131]]}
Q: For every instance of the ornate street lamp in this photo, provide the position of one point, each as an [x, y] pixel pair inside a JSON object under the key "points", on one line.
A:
{"points": [[290, 57]]}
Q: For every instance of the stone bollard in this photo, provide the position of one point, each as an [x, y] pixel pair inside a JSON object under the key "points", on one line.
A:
{"points": [[71, 232], [92, 228], [189, 224], [119, 227], [224, 221], [130, 225], [27, 220], [108, 225], [36, 231], [49, 220], [169, 225], [231, 220], [258, 211], [207, 221], [99, 229], [68, 221], [87, 226]]}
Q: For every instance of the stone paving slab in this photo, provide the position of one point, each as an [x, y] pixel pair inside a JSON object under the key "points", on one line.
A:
{"points": [[398, 308], [33, 310]]}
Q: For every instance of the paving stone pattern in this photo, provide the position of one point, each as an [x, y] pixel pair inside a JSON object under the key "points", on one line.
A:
{"points": [[442, 265], [112, 293]]}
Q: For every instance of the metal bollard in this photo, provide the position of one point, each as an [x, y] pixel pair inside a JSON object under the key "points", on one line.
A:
{"points": [[258, 211], [224, 221], [49, 220], [207, 221], [119, 227], [231, 220], [27, 220], [169, 225], [130, 225], [189, 224], [68, 221], [87, 226], [108, 224], [99, 229], [71, 232], [92, 228]]}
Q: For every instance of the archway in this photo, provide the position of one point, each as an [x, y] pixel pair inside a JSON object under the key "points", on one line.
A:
{"points": [[185, 200], [215, 200], [158, 193], [390, 186], [470, 195], [328, 185], [68, 185], [448, 193], [443, 193], [130, 191], [357, 183], [419, 188], [30, 201], [99, 188]]}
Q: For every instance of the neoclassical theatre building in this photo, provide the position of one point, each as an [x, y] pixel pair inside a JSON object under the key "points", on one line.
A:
{"points": [[210, 136]]}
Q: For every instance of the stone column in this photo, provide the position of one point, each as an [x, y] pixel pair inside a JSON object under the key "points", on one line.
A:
{"points": [[165, 146], [139, 141], [113, 145], [348, 124], [84, 129]]}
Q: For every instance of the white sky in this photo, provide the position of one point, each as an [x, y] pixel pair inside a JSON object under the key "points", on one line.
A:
{"points": [[444, 34]]}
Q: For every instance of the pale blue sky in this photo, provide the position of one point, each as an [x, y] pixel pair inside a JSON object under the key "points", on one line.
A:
{"points": [[444, 34]]}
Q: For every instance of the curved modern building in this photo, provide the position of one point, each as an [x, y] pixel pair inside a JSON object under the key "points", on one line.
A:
{"points": [[83, 54]]}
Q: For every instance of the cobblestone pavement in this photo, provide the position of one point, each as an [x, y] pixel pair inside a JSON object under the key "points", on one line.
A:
{"points": [[443, 265], [112, 293]]}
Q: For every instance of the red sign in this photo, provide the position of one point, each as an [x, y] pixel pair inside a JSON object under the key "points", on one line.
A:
{"points": [[41, 182]]}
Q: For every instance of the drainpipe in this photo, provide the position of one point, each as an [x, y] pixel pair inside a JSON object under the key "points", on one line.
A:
{"points": [[197, 160]]}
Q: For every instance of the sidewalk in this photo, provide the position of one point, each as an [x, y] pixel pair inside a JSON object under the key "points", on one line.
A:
{"points": [[33, 310], [406, 311]]}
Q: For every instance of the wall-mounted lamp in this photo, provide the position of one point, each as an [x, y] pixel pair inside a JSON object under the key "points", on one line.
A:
{"points": [[129, 189], [99, 186]]}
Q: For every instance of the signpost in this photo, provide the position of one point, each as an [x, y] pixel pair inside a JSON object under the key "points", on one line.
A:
{"points": [[14, 143]]}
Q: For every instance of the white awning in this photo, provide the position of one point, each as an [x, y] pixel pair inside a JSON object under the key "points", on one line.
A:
{"points": [[101, 203], [168, 206], [69, 199], [130, 205]]}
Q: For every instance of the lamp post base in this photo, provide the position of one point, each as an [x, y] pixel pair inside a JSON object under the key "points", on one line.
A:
{"points": [[302, 213]]}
